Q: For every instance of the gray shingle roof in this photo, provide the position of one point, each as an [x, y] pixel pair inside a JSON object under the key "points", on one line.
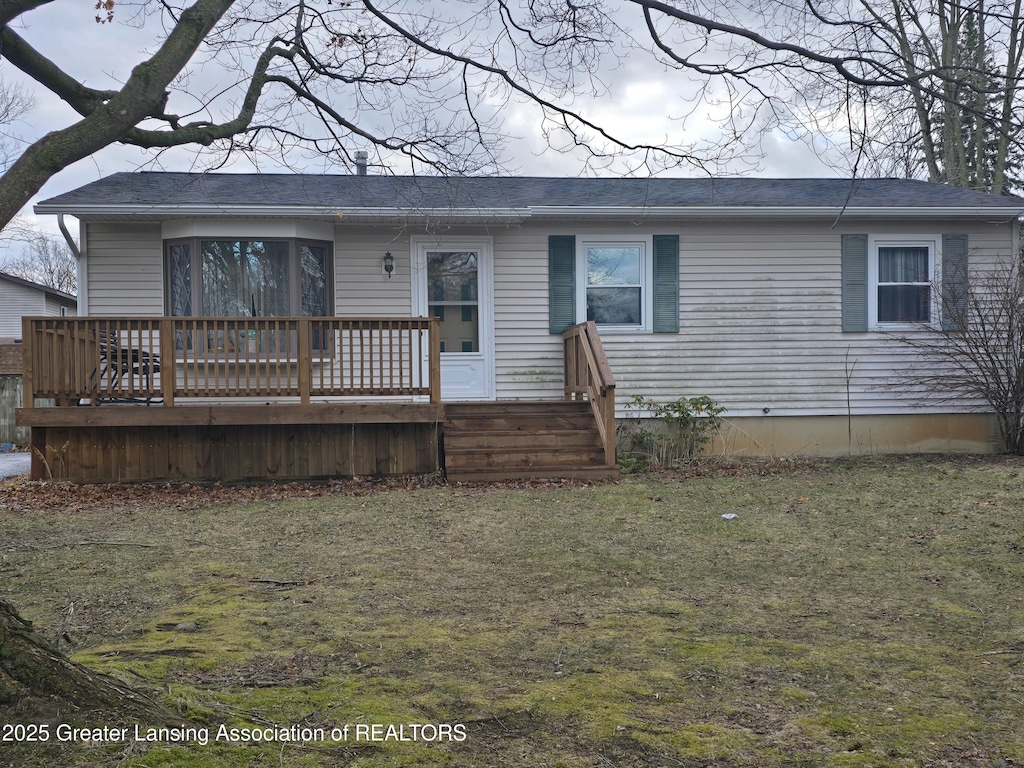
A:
{"points": [[164, 192], [67, 297]]}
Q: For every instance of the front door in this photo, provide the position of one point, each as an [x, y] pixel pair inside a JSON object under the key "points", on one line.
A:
{"points": [[454, 284]]}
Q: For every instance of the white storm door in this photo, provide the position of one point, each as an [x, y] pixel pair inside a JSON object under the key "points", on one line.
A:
{"points": [[453, 282]]}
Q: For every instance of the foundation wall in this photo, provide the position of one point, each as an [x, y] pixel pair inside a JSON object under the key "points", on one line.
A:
{"points": [[860, 435]]}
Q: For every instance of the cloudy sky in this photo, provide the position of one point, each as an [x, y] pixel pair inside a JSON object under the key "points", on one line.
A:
{"points": [[641, 101]]}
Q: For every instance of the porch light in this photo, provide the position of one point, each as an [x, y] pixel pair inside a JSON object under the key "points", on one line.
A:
{"points": [[389, 264]]}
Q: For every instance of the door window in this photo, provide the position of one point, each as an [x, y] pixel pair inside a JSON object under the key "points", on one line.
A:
{"points": [[453, 297]]}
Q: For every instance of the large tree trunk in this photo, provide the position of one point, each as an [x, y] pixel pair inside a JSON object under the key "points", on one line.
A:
{"points": [[36, 676]]}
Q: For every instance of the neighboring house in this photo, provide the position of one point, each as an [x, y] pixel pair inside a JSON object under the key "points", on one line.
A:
{"points": [[20, 297], [775, 297]]}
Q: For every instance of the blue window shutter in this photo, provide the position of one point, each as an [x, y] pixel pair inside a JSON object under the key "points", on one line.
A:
{"points": [[561, 282], [855, 283], [666, 284], [954, 282]]}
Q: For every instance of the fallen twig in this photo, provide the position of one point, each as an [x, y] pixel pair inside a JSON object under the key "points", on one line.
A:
{"points": [[89, 543], [1010, 651], [276, 583]]}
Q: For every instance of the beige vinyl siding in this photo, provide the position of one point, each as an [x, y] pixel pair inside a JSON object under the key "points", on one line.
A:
{"points": [[760, 319], [54, 305], [18, 300], [361, 288], [124, 271], [528, 359], [759, 308], [759, 312]]}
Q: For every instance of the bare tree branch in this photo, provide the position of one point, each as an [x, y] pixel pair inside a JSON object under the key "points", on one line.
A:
{"points": [[143, 95], [925, 87], [978, 353]]}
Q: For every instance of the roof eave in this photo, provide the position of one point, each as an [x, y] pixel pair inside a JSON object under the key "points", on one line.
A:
{"points": [[770, 212], [276, 211], [505, 214], [48, 290]]}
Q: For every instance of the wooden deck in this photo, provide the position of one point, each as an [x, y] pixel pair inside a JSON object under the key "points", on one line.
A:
{"points": [[231, 399]]}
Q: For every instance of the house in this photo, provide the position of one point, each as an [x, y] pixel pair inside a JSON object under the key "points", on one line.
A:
{"points": [[775, 297], [20, 297]]}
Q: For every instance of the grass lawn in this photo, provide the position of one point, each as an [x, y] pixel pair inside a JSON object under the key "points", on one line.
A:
{"points": [[856, 613]]}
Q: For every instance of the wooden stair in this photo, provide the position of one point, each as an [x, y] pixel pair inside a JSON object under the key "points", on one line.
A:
{"points": [[514, 440]]}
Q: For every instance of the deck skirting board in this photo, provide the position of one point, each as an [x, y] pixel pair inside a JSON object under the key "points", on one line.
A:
{"points": [[239, 452], [114, 443]]}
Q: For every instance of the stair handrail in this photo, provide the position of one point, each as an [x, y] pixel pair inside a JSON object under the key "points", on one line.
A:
{"points": [[589, 376]]}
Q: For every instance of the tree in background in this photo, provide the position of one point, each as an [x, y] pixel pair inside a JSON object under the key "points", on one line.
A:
{"points": [[967, 136], [45, 260], [429, 83], [927, 88], [317, 80]]}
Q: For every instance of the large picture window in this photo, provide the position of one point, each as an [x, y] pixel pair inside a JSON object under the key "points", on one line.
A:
{"points": [[226, 277]]}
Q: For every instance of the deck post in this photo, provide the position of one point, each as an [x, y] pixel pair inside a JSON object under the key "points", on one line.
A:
{"points": [[609, 426], [572, 354], [305, 361], [27, 379], [435, 360], [168, 361]]}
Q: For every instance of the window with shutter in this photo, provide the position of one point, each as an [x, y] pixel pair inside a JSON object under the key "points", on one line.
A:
{"points": [[889, 282], [622, 284]]}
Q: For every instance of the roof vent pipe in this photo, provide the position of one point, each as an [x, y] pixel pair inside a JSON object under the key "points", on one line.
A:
{"points": [[361, 158]]}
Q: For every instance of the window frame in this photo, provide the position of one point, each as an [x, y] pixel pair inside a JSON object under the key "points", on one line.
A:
{"points": [[934, 245], [646, 246], [295, 245]]}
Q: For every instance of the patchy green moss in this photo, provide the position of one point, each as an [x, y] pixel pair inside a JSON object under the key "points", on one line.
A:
{"points": [[856, 613], [215, 626], [708, 741]]}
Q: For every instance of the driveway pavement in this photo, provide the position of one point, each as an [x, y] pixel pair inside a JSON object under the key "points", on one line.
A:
{"points": [[14, 464]]}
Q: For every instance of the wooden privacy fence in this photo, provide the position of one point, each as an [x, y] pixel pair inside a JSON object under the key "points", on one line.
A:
{"points": [[164, 359], [588, 376]]}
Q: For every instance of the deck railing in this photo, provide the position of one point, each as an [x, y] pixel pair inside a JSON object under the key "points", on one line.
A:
{"points": [[589, 377], [163, 359]]}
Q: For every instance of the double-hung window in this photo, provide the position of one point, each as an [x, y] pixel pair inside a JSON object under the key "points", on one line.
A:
{"points": [[628, 284], [252, 277], [614, 280], [902, 273], [904, 284], [615, 275], [904, 281]]}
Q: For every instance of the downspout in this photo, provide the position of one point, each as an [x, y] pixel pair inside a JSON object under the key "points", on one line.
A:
{"points": [[83, 302], [67, 236]]}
